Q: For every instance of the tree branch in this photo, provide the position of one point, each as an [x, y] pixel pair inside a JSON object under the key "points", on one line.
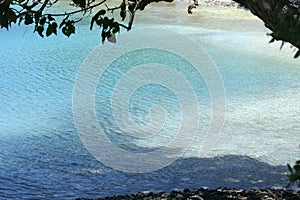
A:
{"points": [[43, 6], [275, 14], [143, 3], [76, 11]]}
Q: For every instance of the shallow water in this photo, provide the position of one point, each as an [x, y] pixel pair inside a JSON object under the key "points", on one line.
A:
{"points": [[41, 153]]}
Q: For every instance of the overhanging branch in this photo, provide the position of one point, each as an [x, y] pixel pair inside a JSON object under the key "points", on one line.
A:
{"points": [[280, 16]]}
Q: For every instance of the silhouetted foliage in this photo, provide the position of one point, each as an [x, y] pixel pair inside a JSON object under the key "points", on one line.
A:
{"points": [[46, 23], [294, 175], [282, 17]]}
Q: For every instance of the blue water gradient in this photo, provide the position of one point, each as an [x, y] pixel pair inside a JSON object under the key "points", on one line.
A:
{"points": [[41, 155]]}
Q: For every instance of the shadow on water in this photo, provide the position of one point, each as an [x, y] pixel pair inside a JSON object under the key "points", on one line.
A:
{"points": [[48, 169]]}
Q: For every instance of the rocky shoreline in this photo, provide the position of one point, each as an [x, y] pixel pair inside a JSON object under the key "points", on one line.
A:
{"points": [[206, 194], [223, 3]]}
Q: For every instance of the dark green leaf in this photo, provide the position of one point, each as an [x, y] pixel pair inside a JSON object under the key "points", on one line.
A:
{"points": [[11, 16], [292, 178], [49, 31], [116, 27], [20, 20], [297, 168], [107, 34], [64, 31], [297, 54], [3, 17], [105, 23], [103, 36], [4, 22], [37, 17], [68, 29], [96, 19], [123, 6], [40, 30], [28, 19], [272, 40], [101, 12], [131, 7], [43, 20], [282, 43], [111, 21], [99, 22], [92, 23], [80, 3], [123, 15], [290, 168], [123, 11], [52, 28], [115, 30]]}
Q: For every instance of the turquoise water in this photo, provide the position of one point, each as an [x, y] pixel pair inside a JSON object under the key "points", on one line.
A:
{"points": [[42, 155]]}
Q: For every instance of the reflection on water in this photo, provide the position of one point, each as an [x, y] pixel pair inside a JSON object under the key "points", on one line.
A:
{"points": [[42, 156]]}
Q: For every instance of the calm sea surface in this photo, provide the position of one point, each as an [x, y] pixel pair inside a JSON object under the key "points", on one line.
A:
{"points": [[41, 155]]}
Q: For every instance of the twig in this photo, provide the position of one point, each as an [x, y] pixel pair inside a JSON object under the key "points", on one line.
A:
{"points": [[76, 11]]}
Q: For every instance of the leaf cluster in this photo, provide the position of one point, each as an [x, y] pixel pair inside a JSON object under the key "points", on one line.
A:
{"points": [[107, 25], [47, 24], [7, 14], [287, 29], [294, 174]]}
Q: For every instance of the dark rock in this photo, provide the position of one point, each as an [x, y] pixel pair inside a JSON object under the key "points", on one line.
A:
{"points": [[206, 194], [186, 191]]}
